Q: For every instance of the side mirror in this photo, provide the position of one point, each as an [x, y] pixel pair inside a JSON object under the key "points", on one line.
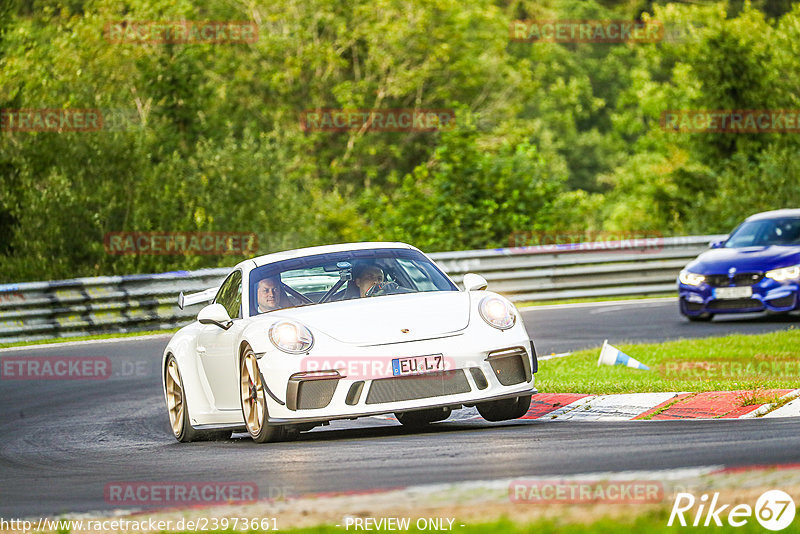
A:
{"points": [[474, 282], [215, 314], [717, 244]]}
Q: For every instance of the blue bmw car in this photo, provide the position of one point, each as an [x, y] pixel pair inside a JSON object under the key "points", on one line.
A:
{"points": [[757, 268]]}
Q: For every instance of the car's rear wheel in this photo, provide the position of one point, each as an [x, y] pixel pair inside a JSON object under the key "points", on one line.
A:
{"points": [[254, 404], [504, 409], [420, 418], [178, 408]]}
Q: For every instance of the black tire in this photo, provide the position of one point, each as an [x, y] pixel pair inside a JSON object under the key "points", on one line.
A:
{"points": [[216, 435], [290, 433], [419, 418], [254, 404], [505, 409], [178, 409], [702, 318], [778, 314]]}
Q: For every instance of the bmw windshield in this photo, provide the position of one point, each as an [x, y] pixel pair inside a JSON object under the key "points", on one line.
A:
{"points": [[765, 233], [338, 276]]}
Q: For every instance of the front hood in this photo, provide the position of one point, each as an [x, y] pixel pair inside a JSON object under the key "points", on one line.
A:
{"points": [[379, 320], [748, 259]]}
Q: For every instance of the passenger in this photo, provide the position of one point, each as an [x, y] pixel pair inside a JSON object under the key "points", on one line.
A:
{"points": [[364, 277], [271, 295]]}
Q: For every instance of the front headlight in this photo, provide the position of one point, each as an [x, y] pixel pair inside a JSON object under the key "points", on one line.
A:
{"points": [[691, 279], [291, 337], [786, 273], [497, 313]]}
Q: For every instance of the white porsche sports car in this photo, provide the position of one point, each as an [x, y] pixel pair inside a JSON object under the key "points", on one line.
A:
{"points": [[296, 339]]}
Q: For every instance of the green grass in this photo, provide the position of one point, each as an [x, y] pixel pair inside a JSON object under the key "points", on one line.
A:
{"points": [[529, 303], [85, 338], [708, 364]]}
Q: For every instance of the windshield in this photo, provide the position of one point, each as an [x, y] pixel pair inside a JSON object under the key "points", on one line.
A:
{"points": [[767, 232], [314, 280]]}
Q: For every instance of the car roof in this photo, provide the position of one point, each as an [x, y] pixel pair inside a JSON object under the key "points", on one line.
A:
{"points": [[774, 214], [324, 249]]}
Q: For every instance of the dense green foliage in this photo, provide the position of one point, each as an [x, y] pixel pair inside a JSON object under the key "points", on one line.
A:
{"points": [[549, 137]]}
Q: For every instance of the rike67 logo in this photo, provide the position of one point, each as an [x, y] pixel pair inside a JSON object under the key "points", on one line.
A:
{"points": [[774, 510]]}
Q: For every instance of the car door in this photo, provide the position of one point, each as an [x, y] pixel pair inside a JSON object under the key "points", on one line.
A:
{"points": [[217, 348]]}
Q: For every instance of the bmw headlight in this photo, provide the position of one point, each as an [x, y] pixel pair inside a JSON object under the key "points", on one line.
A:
{"points": [[691, 279], [497, 313], [291, 337], [786, 273]]}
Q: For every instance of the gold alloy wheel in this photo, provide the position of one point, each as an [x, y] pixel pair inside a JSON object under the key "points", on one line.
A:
{"points": [[175, 403], [254, 403]]}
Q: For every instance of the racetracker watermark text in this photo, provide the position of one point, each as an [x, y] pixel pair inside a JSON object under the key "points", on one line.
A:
{"points": [[551, 242], [69, 120], [586, 31], [730, 369], [139, 524], [51, 120], [178, 493], [180, 243], [377, 120], [56, 368], [181, 32], [585, 491], [731, 121], [375, 367]]}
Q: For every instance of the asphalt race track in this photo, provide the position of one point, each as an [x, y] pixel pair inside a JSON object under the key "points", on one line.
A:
{"points": [[62, 441]]}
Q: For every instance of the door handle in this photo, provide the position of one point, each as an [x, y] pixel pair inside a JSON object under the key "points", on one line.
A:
{"points": [[201, 350]]}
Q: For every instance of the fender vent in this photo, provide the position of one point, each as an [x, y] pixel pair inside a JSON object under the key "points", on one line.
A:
{"points": [[783, 302], [310, 394], [509, 365]]}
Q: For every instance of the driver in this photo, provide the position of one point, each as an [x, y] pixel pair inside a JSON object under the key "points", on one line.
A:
{"points": [[270, 295], [364, 277]]}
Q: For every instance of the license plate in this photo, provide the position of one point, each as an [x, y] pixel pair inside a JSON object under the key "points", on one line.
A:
{"points": [[733, 292], [417, 365]]}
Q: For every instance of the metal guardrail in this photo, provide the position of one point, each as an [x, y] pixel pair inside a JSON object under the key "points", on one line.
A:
{"points": [[68, 308]]}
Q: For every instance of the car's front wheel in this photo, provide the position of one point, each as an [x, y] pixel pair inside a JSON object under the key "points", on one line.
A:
{"points": [[504, 409], [178, 408], [420, 418], [702, 318], [254, 403]]}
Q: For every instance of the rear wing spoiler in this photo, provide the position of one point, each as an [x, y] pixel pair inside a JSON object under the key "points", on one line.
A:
{"points": [[197, 298]]}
